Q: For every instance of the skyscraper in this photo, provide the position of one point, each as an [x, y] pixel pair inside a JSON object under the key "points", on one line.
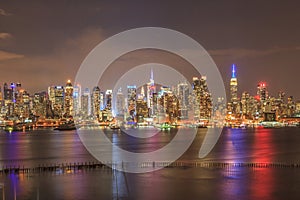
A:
{"points": [[120, 104], [58, 101], [141, 110], [108, 99], [233, 86], [56, 97], [68, 100], [202, 99], [96, 102], [131, 100], [7, 92], [262, 91], [40, 105], [233, 105], [51, 95], [183, 99], [150, 92], [76, 99], [86, 103], [7, 96]]}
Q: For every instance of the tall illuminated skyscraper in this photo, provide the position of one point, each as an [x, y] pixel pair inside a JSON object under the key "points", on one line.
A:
{"points": [[7, 93], [96, 102], [150, 92], [56, 97], [68, 100], [262, 91], [131, 100], [120, 104], [183, 98], [14, 92], [86, 103], [108, 99], [202, 99], [51, 95], [39, 102], [76, 99], [58, 106], [233, 85], [102, 103], [233, 105], [142, 94]]}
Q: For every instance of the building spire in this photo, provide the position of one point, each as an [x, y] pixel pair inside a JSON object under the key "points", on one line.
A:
{"points": [[151, 74], [233, 75]]}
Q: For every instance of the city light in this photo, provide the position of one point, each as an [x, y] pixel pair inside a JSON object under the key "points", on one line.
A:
{"points": [[174, 105]]}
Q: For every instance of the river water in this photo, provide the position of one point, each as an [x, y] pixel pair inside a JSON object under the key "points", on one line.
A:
{"points": [[47, 147]]}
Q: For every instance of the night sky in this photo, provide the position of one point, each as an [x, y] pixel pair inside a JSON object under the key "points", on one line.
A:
{"points": [[43, 44]]}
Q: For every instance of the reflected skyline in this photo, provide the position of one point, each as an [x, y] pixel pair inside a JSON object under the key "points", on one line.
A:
{"points": [[235, 146]]}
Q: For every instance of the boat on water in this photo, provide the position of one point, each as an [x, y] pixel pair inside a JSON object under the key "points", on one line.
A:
{"points": [[66, 126], [271, 124], [18, 127], [165, 126], [11, 128], [114, 126]]}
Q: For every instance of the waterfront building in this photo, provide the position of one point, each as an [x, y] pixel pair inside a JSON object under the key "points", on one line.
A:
{"points": [[183, 99], [51, 95], [142, 94], [202, 100], [234, 92], [7, 108], [96, 103], [141, 110], [102, 103], [291, 106], [151, 89], [86, 104], [168, 106], [131, 100], [262, 92], [245, 101], [219, 110], [105, 104], [68, 100], [58, 104], [76, 100], [23, 106], [8, 95], [172, 107], [120, 104], [108, 99], [40, 105], [17, 90]]}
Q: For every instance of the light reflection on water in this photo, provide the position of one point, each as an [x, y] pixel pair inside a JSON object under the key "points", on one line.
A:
{"points": [[235, 145]]}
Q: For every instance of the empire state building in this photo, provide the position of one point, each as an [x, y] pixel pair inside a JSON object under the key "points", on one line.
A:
{"points": [[233, 86]]}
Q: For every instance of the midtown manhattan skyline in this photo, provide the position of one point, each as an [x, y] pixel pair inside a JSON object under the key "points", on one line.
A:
{"points": [[44, 44]]}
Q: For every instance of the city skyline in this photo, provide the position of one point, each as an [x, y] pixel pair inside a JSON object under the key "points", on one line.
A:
{"points": [[45, 43], [234, 75], [151, 99], [178, 101]]}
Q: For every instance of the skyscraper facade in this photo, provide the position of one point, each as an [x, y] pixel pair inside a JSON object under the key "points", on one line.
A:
{"points": [[96, 103], [202, 99], [68, 100], [233, 91], [120, 104], [131, 100], [183, 99]]}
